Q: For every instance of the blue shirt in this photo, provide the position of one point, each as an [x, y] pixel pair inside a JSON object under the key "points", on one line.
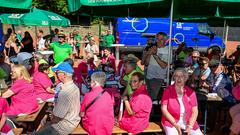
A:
{"points": [[223, 87]]}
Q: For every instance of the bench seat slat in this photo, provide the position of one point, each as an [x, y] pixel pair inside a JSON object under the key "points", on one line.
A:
{"points": [[153, 127]]}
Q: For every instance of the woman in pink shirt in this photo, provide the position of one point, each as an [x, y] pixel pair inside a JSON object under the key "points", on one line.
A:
{"points": [[138, 107], [42, 84], [235, 112], [179, 107], [98, 119], [109, 61], [23, 98], [5, 129]]}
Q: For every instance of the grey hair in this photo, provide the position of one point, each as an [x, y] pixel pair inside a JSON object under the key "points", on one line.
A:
{"points": [[133, 64], [69, 75], [99, 77], [197, 52], [183, 70]]}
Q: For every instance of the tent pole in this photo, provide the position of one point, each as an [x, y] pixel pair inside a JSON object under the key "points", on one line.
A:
{"points": [[224, 28], [170, 43], [226, 35]]}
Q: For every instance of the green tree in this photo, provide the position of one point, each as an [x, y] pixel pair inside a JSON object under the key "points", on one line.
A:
{"points": [[57, 6]]}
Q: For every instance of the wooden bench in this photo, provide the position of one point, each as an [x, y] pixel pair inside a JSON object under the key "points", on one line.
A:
{"points": [[17, 131], [32, 121], [153, 127]]}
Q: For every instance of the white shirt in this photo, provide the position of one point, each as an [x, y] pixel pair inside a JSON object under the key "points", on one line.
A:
{"points": [[41, 44]]}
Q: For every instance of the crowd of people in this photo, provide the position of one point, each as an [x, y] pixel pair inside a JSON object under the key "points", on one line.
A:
{"points": [[82, 91]]}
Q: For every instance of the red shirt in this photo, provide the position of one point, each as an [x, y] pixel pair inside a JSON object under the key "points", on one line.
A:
{"points": [[170, 99], [141, 105], [3, 109], [236, 92], [99, 118]]}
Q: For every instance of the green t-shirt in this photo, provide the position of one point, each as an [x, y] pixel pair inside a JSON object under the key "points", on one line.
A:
{"points": [[182, 56], [61, 51], [102, 41], [128, 78], [109, 39], [78, 38]]}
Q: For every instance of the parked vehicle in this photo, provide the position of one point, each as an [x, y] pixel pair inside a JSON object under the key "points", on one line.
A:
{"points": [[135, 32]]}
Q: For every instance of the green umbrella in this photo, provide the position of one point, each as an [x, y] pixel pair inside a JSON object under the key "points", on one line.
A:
{"points": [[15, 6], [121, 8], [36, 17]]}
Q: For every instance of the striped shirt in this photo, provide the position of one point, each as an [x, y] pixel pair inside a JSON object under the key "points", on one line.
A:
{"points": [[67, 108]]}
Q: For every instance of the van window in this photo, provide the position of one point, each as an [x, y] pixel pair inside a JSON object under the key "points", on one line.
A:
{"points": [[204, 29]]}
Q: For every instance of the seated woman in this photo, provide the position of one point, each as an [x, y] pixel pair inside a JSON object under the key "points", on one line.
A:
{"points": [[235, 112], [179, 107], [5, 129], [138, 108], [23, 98], [42, 83], [108, 61], [98, 117]]}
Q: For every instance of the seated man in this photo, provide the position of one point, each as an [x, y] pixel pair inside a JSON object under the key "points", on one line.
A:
{"points": [[65, 117], [138, 106]]}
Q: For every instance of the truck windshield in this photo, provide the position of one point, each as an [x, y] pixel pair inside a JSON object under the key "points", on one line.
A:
{"points": [[204, 29]]}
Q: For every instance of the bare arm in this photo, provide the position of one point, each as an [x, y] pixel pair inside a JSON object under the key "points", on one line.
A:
{"points": [[128, 106], [161, 63], [50, 90], [193, 117], [170, 118], [7, 94], [3, 120]]}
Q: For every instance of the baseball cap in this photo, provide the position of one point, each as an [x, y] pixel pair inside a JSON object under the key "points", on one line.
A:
{"points": [[61, 34], [64, 66]]}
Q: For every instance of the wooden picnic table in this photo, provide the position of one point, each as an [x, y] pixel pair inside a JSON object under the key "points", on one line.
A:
{"points": [[33, 120]]}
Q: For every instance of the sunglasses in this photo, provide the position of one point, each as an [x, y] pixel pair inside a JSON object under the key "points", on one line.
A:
{"points": [[202, 64], [195, 57]]}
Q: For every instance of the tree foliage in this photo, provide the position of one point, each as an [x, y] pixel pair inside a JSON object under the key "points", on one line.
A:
{"points": [[57, 6]]}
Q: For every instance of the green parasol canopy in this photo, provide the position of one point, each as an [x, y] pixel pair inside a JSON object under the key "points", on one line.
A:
{"points": [[15, 6], [36, 17]]}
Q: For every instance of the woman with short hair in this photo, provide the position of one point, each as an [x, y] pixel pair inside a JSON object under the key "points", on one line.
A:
{"points": [[179, 107], [138, 107], [23, 98], [42, 83], [98, 117]]}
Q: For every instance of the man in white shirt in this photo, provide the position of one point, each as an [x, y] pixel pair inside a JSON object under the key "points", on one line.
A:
{"points": [[41, 41]]}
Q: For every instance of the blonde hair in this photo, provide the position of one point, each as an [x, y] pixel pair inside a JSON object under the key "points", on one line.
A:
{"points": [[99, 77], [21, 71], [11, 39]]}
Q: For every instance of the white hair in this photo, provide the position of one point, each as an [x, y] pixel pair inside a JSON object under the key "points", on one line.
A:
{"points": [[99, 77], [182, 70]]}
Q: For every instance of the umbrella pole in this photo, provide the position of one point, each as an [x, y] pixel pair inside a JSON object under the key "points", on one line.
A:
{"points": [[36, 39], [170, 43]]}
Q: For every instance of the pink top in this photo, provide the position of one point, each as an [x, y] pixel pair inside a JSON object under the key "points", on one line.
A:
{"points": [[236, 92], [3, 109], [111, 60], [24, 98], [170, 99], [99, 118], [41, 82], [141, 105]]}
